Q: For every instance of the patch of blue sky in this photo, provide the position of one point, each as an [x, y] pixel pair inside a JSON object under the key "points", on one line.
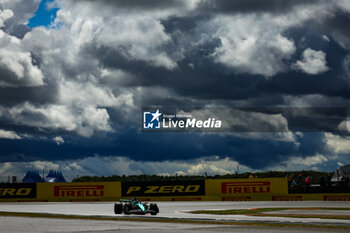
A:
{"points": [[45, 15]]}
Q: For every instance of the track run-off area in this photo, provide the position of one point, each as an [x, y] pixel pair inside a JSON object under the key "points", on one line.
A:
{"points": [[173, 215]]}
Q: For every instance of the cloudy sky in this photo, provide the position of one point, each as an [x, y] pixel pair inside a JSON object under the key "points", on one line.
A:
{"points": [[75, 74]]}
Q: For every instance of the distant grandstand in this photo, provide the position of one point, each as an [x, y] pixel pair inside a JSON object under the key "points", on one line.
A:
{"points": [[54, 176], [33, 176]]}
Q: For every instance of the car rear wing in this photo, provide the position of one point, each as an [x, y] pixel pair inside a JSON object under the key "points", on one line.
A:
{"points": [[124, 200]]}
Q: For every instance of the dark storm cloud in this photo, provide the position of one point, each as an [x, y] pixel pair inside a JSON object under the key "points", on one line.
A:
{"points": [[204, 73], [210, 6], [77, 55], [11, 96], [199, 72], [196, 72], [251, 5], [228, 85], [18, 30], [335, 25], [169, 146], [197, 82], [339, 24], [139, 4]]}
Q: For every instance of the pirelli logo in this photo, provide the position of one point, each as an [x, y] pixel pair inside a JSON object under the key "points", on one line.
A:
{"points": [[78, 191], [246, 187], [336, 197], [287, 198], [163, 188], [236, 198], [18, 191]]}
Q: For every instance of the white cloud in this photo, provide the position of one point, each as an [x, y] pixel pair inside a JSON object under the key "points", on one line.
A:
{"points": [[344, 126], [344, 5], [9, 134], [83, 94], [313, 160], [219, 166], [16, 64], [312, 62], [325, 38], [58, 140], [139, 37], [19, 66], [98, 118], [54, 116], [23, 9], [340, 144], [296, 163], [135, 36], [254, 125], [85, 120], [5, 15], [256, 43], [252, 44], [7, 167]]}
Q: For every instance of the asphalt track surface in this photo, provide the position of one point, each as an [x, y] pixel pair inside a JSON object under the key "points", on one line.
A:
{"points": [[168, 210]]}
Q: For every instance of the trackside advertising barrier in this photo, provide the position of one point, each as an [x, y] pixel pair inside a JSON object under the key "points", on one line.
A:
{"points": [[163, 188], [191, 190], [273, 189], [245, 189], [84, 191], [15, 191]]}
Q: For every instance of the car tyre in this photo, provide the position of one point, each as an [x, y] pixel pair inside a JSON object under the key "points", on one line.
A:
{"points": [[154, 208], [118, 208], [127, 209]]}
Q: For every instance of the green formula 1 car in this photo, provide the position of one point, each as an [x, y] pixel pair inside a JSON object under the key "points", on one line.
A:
{"points": [[134, 206]]}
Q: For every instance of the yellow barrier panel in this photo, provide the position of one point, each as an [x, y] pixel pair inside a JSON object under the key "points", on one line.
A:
{"points": [[84, 191], [257, 186]]}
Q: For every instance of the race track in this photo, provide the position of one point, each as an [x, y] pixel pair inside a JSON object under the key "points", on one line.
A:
{"points": [[169, 210]]}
